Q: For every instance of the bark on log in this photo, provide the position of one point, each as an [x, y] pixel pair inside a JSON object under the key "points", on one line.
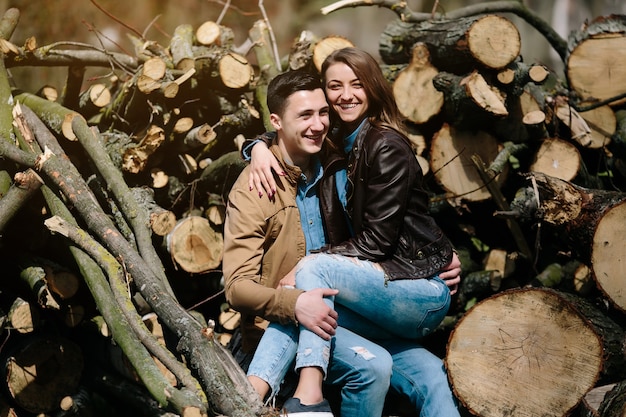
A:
{"points": [[614, 402], [590, 405], [45, 277], [457, 46], [528, 352], [590, 222], [26, 184]]}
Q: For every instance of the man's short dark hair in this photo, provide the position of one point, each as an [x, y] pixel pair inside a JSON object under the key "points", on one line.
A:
{"points": [[287, 83]]}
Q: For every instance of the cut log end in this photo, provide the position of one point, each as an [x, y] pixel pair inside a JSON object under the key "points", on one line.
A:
{"points": [[195, 246], [326, 46], [494, 41], [557, 158], [524, 350], [608, 256]]}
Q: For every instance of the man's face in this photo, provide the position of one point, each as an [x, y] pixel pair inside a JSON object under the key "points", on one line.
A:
{"points": [[303, 126]]}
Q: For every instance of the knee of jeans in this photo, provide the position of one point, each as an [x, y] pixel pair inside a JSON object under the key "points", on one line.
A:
{"points": [[376, 370]]}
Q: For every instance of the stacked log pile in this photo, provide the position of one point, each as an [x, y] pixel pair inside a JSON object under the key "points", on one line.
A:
{"points": [[113, 196]]}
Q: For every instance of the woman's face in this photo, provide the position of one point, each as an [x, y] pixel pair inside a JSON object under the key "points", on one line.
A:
{"points": [[346, 95]]}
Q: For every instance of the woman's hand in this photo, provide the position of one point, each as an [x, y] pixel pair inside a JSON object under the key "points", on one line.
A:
{"points": [[289, 280], [452, 274], [262, 162]]}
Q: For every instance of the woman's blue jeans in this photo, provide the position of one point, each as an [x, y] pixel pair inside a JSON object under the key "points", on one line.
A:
{"points": [[392, 313]]}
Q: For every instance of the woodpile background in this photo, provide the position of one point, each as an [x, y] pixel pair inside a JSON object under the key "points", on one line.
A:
{"points": [[113, 192]]}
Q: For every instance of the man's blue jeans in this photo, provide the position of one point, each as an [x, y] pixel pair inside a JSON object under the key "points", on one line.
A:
{"points": [[360, 367], [393, 313]]}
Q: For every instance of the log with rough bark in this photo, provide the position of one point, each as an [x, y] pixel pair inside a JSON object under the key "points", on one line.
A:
{"points": [[589, 222], [530, 352], [614, 402], [457, 46], [26, 184], [469, 101], [590, 405]]}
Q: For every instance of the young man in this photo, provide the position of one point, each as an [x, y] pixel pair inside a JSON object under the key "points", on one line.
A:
{"points": [[264, 239]]}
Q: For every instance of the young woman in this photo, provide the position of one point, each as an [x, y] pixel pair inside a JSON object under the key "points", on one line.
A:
{"points": [[387, 272]]}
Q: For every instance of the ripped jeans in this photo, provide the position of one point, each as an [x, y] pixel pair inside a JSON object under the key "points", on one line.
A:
{"points": [[392, 313]]}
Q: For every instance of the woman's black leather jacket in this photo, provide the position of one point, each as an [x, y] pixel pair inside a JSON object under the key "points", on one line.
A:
{"points": [[388, 208]]}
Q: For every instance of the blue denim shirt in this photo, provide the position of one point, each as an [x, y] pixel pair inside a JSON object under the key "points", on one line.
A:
{"points": [[308, 202]]}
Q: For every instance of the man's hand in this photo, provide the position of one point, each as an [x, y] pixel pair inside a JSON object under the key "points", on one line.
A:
{"points": [[262, 162], [451, 275], [314, 314]]}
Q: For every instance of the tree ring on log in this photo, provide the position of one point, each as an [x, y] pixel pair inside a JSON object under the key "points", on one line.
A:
{"points": [[608, 255], [525, 352]]}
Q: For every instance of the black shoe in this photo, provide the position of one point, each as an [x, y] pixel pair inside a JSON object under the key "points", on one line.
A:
{"points": [[293, 407]]}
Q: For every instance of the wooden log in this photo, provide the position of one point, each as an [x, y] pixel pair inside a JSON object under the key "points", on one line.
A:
{"points": [[43, 371], [46, 278], [198, 136], [181, 47], [135, 159], [26, 184], [608, 254], [154, 68], [24, 317], [470, 102], [589, 222], [457, 46], [223, 68], [614, 402], [590, 405], [194, 245], [93, 99], [301, 52], [413, 89], [162, 221], [211, 33], [208, 33], [529, 352], [73, 85], [326, 46], [592, 128], [235, 71], [557, 158], [590, 63], [48, 92], [450, 159]]}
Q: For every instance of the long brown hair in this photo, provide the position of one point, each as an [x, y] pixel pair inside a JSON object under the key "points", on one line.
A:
{"points": [[382, 108]]}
